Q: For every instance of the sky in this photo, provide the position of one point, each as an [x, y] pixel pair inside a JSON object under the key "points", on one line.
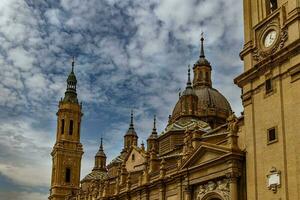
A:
{"points": [[129, 54]]}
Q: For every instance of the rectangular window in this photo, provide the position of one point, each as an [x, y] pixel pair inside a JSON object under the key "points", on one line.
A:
{"points": [[68, 175], [272, 135], [268, 85], [71, 127], [62, 129]]}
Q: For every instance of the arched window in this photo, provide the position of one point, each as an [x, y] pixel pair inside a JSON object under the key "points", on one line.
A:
{"points": [[62, 128], [132, 157], [68, 175], [71, 127]]}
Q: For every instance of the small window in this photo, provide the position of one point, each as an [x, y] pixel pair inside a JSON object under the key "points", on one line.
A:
{"points": [[68, 175], [272, 5], [272, 135], [71, 127], [62, 126], [268, 85], [132, 157], [206, 76]]}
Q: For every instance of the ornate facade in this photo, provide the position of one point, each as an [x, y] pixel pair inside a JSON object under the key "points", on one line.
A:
{"points": [[206, 152]]}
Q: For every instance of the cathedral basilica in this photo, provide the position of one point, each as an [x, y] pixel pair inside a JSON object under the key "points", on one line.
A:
{"points": [[205, 151]]}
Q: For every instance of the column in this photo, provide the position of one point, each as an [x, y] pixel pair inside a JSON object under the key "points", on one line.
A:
{"points": [[233, 186]]}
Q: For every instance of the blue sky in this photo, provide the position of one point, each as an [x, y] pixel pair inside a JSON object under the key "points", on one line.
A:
{"points": [[130, 54]]}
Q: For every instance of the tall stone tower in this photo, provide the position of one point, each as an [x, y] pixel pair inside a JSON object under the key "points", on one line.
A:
{"points": [[271, 98], [67, 151]]}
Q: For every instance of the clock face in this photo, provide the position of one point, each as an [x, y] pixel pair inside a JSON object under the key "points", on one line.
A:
{"points": [[270, 38]]}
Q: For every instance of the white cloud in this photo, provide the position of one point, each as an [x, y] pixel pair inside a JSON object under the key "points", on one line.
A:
{"points": [[25, 153]]}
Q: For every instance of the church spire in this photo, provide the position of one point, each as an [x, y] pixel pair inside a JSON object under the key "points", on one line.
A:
{"points": [[189, 89], [202, 47], [202, 69], [100, 159], [189, 84], [70, 94], [152, 142], [154, 125], [130, 138], [101, 145], [131, 126]]}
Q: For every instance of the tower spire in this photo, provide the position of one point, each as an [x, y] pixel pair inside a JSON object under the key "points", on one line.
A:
{"points": [[202, 69], [101, 145], [73, 64], [154, 125], [131, 119], [202, 46], [189, 83]]}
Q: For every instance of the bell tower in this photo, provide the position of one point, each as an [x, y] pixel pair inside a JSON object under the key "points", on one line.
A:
{"points": [[67, 151], [270, 87]]}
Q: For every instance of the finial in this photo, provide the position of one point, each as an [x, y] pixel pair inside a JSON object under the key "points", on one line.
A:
{"points": [[131, 118], [154, 124], [101, 144], [73, 63], [202, 48], [189, 84]]}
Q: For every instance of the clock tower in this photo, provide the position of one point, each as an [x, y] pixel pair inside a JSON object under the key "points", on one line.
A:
{"points": [[270, 87]]}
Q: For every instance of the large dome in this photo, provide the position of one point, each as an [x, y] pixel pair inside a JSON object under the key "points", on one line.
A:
{"points": [[212, 107], [201, 100], [212, 98]]}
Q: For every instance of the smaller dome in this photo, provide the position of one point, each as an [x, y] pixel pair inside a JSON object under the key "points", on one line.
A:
{"points": [[95, 175]]}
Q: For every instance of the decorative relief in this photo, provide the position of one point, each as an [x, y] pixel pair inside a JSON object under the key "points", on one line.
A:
{"points": [[283, 37], [220, 188], [273, 181]]}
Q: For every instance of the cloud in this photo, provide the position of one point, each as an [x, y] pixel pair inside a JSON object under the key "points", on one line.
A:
{"points": [[22, 148]]}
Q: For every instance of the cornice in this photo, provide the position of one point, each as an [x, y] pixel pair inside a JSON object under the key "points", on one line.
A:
{"points": [[278, 57]]}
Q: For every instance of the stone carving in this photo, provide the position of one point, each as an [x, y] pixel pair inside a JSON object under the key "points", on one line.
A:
{"points": [[283, 37], [273, 180], [220, 188], [232, 124]]}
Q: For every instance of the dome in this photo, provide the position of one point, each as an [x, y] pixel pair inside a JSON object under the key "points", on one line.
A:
{"points": [[211, 106], [201, 100], [212, 99]]}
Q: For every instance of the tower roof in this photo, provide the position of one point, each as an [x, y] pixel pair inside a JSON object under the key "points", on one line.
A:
{"points": [[202, 61], [100, 152], [131, 130], [154, 132], [188, 89], [70, 94]]}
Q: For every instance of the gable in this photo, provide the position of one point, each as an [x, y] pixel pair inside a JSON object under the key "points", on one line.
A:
{"points": [[205, 154], [206, 157], [134, 160]]}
